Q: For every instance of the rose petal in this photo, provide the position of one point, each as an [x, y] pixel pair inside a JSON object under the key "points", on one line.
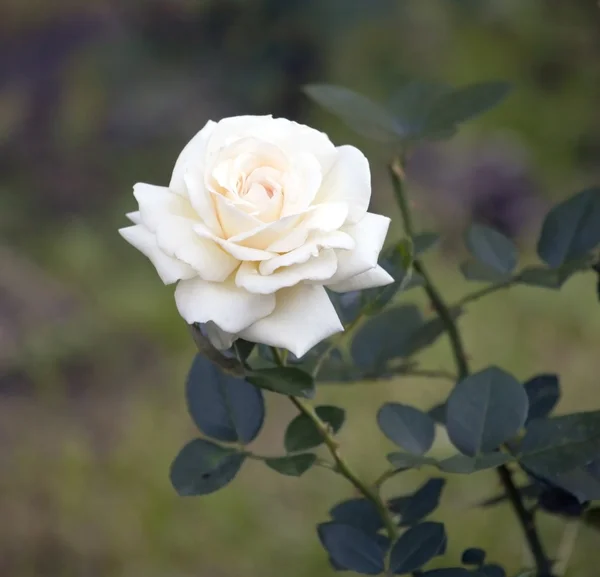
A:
{"points": [[202, 202], [303, 317], [176, 237], [349, 180], [369, 234], [169, 269], [157, 202], [301, 183], [236, 250], [231, 308], [233, 220], [372, 278], [134, 217], [191, 158], [337, 239], [325, 217], [317, 268]]}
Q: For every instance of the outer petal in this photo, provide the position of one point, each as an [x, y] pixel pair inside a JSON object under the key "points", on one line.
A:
{"points": [[158, 202], [348, 180], [134, 217], [372, 278], [231, 308], [369, 234], [169, 269], [191, 157], [176, 237], [318, 268], [303, 317], [337, 239], [202, 201]]}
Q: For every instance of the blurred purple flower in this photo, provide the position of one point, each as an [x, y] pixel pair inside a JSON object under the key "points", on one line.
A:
{"points": [[490, 182]]}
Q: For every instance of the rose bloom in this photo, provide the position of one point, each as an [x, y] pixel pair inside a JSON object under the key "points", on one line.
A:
{"points": [[260, 215]]}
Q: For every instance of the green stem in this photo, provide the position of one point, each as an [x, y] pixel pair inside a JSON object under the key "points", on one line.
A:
{"points": [[342, 466], [526, 520], [368, 492], [476, 295]]}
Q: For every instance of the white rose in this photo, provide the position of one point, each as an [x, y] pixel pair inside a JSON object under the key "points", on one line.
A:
{"points": [[260, 215]]}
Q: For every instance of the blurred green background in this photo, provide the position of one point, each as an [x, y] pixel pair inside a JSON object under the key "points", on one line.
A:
{"points": [[98, 95]]}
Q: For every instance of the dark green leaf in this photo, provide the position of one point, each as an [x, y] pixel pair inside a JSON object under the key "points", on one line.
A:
{"points": [[424, 501], [359, 513], [475, 271], [359, 112], [243, 349], [581, 483], [485, 410], [203, 467], [352, 549], [224, 407], [438, 413], [301, 433], [412, 104], [406, 426], [465, 103], [543, 392], [473, 556], [541, 277], [560, 444], [491, 248], [464, 464], [385, 336], [416, 547], [347, 305], [293, 465], [571, 229], [284, 380], [408, 460]]}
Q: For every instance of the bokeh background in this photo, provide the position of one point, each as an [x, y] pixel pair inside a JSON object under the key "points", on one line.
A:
{"points": [[98, 95]]}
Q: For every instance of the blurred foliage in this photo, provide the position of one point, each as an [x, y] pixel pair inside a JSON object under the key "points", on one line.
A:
{"points": [[94, 97]]}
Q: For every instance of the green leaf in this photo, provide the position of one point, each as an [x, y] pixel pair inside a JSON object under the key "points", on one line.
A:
{"points": [[571, 229], [475, 271], [416, 547], [302, 434], [203, 467], [351, 548], [491, 248], [543, 392], [284, 380], [560, 444], [359, 112], [398, 332], [424, 501], [484, 410], [292, 465], [466, 465], [542, 277], [409, 461], [465, 103], [412, 105], [406, 426], [223, 407]]}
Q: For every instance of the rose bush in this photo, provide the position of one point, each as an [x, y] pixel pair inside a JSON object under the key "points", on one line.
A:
{"points": [[260, 215]]}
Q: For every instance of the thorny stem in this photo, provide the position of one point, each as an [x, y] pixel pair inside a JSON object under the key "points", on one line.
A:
{"points": [[543, 564], [342, 466]]}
